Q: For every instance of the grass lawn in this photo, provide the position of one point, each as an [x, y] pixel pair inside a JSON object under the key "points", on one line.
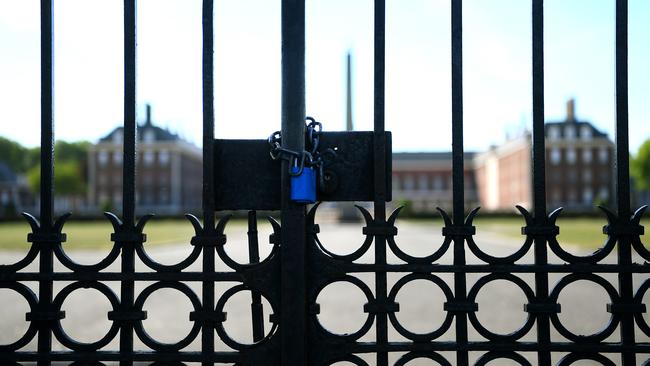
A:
{"points": [[583, 232], [97, 234]]}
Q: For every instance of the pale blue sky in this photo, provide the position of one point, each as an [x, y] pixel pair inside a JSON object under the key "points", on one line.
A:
{"points": [[497, 58]]}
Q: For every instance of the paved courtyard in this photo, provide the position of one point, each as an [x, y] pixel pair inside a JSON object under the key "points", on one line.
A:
{"points": [[421, 303]]}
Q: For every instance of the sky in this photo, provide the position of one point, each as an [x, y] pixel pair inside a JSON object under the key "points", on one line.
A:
{"points": [[579, 63]]}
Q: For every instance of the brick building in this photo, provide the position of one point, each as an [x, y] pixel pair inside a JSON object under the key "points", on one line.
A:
{"points": [[424, 180], [579, 168], [579, 171], [169, 171]]}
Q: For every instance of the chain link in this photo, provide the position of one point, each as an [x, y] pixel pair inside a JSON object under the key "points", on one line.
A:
{"points": [[310, 157]]}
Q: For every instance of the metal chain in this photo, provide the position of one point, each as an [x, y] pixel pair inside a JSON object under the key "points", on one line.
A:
{"points": [[309, 157]]}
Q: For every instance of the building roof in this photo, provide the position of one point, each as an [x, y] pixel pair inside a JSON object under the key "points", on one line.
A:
{"points": [[577, 125], [145, 130], [6, 174], [571, 122], [159, 134]]}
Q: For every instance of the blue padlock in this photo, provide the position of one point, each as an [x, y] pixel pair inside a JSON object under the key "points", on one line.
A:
{"points": [[303, 185]]}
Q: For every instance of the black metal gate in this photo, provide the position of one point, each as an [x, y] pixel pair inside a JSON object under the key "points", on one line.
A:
{"points": [[299, 267]]}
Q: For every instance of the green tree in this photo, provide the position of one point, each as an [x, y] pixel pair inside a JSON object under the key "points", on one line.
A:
{"points": [[68, 178], [13, 154], [640, 167]]}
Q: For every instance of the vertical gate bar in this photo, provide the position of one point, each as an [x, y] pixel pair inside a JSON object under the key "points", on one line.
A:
{"points": [[379, 146], [625, 280], [539, 174], [458, 171], [207, 331], [46, 262], [292, 251], [257, 312], [128, 173]]}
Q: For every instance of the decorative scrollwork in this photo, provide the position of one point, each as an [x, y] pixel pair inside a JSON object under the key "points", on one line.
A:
{"points": [[505, 355], [433, 356], [614, 298], [60, 333], [139, 327], [418, 260], [522, 285], [572, 358], [446, 324], [356, 254], [512, 258]]}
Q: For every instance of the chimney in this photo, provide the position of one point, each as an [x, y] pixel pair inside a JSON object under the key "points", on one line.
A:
{"points": [[571, 110], [148, 120]]}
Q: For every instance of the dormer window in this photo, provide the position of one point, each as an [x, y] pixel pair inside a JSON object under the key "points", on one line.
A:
{"points": [[553, 133], [586, 133], [149, 135], [570, 133], [118, 137]]}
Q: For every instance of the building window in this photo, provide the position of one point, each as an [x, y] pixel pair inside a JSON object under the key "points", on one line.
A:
{"points": [[587, 156], [585, 133], [556, 156], [117, 157], [587, 196], [149, 135], [586, 176], [553, 133], [408, 182], [395, 183], [604, 193], [571, 155], [102, 157], [423, 182], [118, 136], [148, 158], [163, 157], [438, 183], [603, 155], [570, 133]]}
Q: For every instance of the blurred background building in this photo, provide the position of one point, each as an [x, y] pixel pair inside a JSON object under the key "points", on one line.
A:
{"points": [[169, 172], [579, 171]]}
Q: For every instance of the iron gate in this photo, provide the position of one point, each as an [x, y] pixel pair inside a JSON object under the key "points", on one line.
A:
{"points": [[299, 266]]}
